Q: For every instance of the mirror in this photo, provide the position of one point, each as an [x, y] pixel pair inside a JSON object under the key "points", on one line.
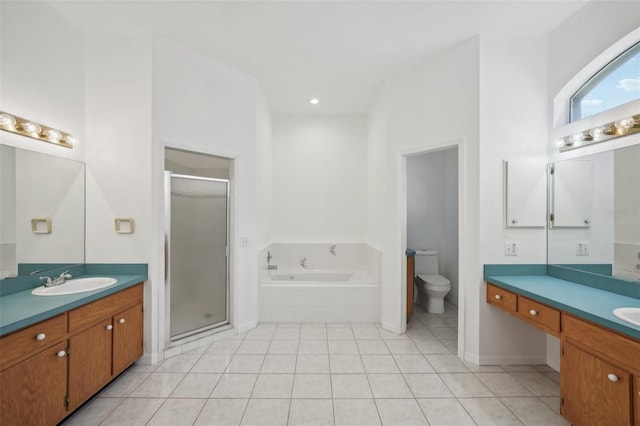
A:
{"points": [[41, 212], [594, 221]]}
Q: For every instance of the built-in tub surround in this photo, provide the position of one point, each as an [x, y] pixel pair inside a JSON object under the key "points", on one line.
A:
{"points": [[319, 282]]}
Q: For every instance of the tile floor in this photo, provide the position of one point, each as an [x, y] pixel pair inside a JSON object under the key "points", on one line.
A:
{"points": [[329, 374]]}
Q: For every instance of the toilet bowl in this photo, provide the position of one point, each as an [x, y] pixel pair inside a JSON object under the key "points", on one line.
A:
{"points": [[432, 287]]}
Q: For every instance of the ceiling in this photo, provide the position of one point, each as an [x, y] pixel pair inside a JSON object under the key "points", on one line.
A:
{"points": [[337, 51]]}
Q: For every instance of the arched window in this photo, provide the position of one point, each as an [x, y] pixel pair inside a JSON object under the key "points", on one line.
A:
{"points": [[615, 84]]}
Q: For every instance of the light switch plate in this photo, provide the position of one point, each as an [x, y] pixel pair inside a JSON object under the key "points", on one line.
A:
{"points": [[510, 249], [582, 248]]}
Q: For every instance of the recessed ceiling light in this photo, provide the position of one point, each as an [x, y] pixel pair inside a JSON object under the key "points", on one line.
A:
{"points": [[314, 101]]}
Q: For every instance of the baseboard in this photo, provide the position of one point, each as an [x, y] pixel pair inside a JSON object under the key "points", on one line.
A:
{"points": [[390, 327], [148, 359], [511, 360], [246, 326]]}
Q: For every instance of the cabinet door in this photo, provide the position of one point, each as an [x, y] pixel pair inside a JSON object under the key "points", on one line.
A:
{"points": [[594, 392], [89, 362], [525, 184], [127, 338], [33, 392], [636, 398]]}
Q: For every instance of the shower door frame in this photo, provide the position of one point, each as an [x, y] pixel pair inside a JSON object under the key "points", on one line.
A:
{"points": [[170, 340]]}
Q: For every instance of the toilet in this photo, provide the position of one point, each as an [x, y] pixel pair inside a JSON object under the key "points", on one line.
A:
{"points": [[432, 287]]}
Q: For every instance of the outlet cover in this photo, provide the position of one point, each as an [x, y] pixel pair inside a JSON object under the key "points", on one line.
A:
{"points": [[244, 242], [510, 249], [582, 248]]}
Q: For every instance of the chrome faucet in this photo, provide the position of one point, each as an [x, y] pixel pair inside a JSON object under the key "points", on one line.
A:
{"points": [[57, 281]]}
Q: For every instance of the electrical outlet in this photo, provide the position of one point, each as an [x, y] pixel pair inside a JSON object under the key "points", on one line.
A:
{"points": [[244, 242], [510, 249], [582, 249]]}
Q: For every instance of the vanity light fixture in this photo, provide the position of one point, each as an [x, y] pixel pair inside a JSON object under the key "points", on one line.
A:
{"points": [[623, 127], [24, 127]]}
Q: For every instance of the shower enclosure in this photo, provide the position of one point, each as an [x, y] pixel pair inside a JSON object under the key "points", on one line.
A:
{"points": [[197, 284]]}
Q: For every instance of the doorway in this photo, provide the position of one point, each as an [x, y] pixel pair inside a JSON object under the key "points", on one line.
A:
{"points": [[432, 221], [196, 243]]}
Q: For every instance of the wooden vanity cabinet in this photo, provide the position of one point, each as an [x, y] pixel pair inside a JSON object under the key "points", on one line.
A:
{"points": [[636, 398], [127, 338]]}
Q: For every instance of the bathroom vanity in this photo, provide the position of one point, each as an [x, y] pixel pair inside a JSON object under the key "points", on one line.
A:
{"points": [[600, 354], [49, 367]]}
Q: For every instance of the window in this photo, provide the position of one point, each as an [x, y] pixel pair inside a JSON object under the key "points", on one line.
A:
{"points": [[615, 84]]}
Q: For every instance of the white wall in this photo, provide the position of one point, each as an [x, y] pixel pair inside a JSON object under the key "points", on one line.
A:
{"points": [[432, 210], [319, 179], [42, 73], [205, 106], [427, 107]]}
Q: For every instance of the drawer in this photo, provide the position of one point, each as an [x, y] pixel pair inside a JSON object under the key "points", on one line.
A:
{"points": [[28, 341], [503, 299], [539, 315], [606, 344], [101, 309]]}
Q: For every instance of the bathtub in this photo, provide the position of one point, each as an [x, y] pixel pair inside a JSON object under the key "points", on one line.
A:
{"points": [[319, 295]]}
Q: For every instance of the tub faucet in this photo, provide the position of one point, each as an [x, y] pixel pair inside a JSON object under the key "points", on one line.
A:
{"points": [[56, 281], [272, 267]]}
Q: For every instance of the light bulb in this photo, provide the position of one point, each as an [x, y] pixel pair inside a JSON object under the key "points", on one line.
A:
{"points": [[314, 101], [70, 140], [31, 127], [560, 143], [625, 123], [597, 132], [7, 120], [52, 134]]}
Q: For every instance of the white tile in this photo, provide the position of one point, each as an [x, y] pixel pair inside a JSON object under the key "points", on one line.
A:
{"points": [[279, 364], [355, 412], [446, 364], [287, 333], [133, 412], [388, 335], [389, 386], [465, 385], [312, 364], [311, 386], [177, 412], [178, 364], [489, 411], [158, 385], [221, 412], [196, 385], [257, 347], [311, 412], [538, 383], [245, 364], [427, 386], [552, 402], [343, 347], [224, 347], [532, 411], [402, 347], [124, 385], [313, 347], [445, 333], [273, 386], [234, 386], [346, 364], [261, 333], [266, 412], [400, 412], [340, 333], [350, 386], [338, 324], [379, 364], [313, 333], [212, 364], [502, 384], [366, 333], [474, 368], [413, 364], [445, 412], [283, 347], [372, 347], [93, 412], [431, 347]]}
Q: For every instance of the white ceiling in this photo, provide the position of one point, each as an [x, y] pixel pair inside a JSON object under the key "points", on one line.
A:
{"points": [[338, 51]]}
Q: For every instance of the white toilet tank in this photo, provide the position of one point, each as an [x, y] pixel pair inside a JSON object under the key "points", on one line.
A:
{"points": [[426, 262]]}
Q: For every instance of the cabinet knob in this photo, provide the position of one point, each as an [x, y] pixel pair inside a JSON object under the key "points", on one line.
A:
{"points": [[109, 327], [121, 320], [498, 297], [533, 312], [514, 221], [612, 377], [587, 221], [41, 336], [61, 354]]}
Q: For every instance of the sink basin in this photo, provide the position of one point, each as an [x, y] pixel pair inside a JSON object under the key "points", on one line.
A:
{"points": [[79, 285], [631, 315]]}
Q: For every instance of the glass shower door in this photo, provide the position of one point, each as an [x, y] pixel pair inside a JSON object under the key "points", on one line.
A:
{"points": [[197, 248]]}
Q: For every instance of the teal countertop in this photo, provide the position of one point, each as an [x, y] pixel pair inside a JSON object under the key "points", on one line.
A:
{"points": [[20, 309], [591, 303]]}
